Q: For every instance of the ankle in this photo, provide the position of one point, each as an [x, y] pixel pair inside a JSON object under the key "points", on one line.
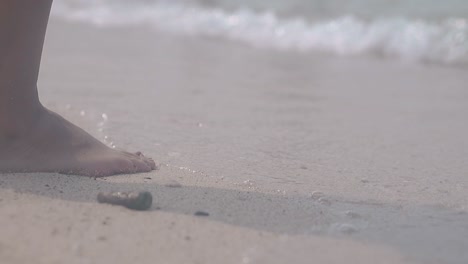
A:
{"points": [[18, 122]]}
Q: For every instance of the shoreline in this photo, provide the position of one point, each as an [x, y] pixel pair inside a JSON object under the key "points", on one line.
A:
{"points": [[250, 136]]}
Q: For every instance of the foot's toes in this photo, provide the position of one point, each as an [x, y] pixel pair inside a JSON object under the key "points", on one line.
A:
{"points": [[124, 165], [140, 166], [148, 161]]}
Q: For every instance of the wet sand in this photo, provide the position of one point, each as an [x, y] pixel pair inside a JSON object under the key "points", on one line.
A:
{"points": [[296, 158]]}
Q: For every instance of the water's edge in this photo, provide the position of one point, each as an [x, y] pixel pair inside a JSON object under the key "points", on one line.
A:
{"points": [[443, 42]]}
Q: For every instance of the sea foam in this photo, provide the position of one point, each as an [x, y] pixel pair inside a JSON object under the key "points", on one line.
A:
{"points": [[443, 42]]}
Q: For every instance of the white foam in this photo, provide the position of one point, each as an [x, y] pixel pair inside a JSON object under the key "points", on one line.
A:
{"points": [[443, 42]]}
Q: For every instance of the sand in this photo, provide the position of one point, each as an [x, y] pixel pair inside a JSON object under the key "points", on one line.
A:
{"points": [[297, 158]]}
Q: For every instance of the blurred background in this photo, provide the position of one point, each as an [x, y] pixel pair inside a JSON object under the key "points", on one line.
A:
{"points": [[417, 30], [331, 131]]}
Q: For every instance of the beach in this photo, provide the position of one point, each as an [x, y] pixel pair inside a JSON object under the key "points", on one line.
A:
{"points": [[296, 157]]}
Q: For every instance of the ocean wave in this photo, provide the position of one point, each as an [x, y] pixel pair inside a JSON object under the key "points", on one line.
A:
{"points": [[444, 42]]}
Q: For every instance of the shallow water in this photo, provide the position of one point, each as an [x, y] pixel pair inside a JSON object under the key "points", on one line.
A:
{"points": [[423, 31], [313, 9]]}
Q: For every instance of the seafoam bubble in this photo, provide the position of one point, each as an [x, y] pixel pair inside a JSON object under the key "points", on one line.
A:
{"points": [[283, 192], [249, 183], [187, 169]]}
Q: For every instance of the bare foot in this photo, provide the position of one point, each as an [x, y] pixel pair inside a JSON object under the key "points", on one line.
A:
{"points": [[52, 144]]}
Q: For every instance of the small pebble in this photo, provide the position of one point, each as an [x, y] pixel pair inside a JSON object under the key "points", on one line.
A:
{"points": [[132, 200], [201, 213]]}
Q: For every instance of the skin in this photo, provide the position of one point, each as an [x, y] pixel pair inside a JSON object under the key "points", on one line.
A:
{"points": [[33, 138]]}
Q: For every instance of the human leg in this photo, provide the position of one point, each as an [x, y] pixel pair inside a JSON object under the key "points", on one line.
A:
{"points": [[32, 138]]}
